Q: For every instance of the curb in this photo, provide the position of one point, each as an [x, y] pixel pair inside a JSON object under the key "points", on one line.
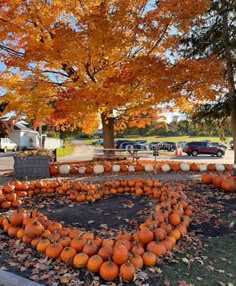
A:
{"points": [[10, 279]]}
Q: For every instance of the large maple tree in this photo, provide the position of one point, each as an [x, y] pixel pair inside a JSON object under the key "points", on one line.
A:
{"points": [[71, 62]]}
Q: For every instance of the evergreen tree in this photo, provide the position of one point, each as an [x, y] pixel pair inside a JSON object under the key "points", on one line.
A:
{"points": [[215, 34]]}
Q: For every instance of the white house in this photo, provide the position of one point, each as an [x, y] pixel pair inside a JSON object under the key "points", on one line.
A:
{"points": [[27, 138], [24, 137]]}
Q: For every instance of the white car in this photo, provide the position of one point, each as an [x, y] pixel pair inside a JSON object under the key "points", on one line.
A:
{"points": [[98, 142], [7, 145]]}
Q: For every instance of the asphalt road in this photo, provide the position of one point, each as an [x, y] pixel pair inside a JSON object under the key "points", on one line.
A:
{"points": [[85, 152]]}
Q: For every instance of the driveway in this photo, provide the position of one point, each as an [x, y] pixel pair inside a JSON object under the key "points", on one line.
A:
{"points": [[85, 152]]}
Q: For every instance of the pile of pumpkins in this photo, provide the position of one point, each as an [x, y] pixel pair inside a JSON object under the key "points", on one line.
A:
{"points": [[12, 195], [225, 182], [114, 257], [160, 166]]}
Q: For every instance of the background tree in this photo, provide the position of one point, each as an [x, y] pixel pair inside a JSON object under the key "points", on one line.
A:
{"points": [[68, 62], [6, 125], [215, 34]]}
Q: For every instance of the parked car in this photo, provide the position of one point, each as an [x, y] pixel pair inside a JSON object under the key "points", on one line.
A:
{"points": [[118, 142], [125, 143], [7, 145], [218, 144], [181, 144], [98, 142], [202, 147], [153, 144], [169, 146], [231, 145]]}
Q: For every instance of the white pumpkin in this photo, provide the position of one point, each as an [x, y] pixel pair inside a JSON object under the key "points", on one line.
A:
{"points": [[165, 168], [131, 169], [81, 170], [202, 167], [185, 167], [98, 169], [116, 168], [148, 167], [64, 169], [220, 167]]}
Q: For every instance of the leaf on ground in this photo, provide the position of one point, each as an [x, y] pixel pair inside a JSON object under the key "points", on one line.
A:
{"points": [[166, 282], [184, 283]]}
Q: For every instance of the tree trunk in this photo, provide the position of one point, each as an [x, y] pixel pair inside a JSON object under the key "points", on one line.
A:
{"points": [[108, 130], [230, 74]]}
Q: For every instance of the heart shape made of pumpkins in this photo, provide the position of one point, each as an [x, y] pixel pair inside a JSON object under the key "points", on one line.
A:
{"points": [[109, 257]]}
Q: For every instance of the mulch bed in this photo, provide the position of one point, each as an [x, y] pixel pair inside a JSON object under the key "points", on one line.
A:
{"points": [[108, 216]]}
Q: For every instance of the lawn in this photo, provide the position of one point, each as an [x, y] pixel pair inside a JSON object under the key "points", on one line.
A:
{"points": [[66, 150]]}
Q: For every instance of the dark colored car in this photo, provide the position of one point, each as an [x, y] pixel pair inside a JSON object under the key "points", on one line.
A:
{"points": [[118, 142], [133, 145], [218, 144], [203, 147], [169, 146], [154, 144]]}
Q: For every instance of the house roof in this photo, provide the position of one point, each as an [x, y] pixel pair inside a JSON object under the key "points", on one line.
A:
{"points": [[22, 127]]}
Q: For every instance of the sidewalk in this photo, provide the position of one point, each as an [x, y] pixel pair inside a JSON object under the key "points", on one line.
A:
{"points": [[10, 279]]}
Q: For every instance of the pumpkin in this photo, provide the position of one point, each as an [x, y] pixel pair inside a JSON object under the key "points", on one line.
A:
{"points": [[53, 170], [174, 219], [53, 250], [206, 178], [145, 235], [127, 271], [156, 247], [65, 241], [116, 168], [194, 167], [228, 185], [105, 252], [89, 169], [64, 169], [220, 167], [80, 260], [211, 167], [42, 245], [120, 254], [33, 229], [216, 180], [54, 226], [124, 242], [160, 233], [139, 168], [78, 243], [90, 248], [109, 271], [149, 258], [81, 170], [185, 167], [98, 169], [148, 167], [131, 169], [94, 263], [136, 260], [67, 253], [165, 168], [73, 170], [203, 167], [12, 230], [18, 217]]}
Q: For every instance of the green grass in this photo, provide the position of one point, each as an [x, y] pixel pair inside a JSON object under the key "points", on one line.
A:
{"points": [[216, 264], [171, 138], [66, 150]]}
